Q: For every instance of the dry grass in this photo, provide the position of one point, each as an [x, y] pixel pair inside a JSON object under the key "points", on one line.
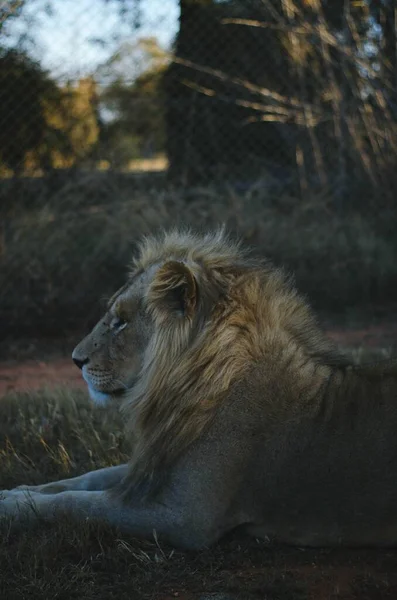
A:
{"points": [[64, 248]]}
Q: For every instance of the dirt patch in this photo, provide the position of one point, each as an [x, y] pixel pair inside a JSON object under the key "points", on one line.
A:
{"points": [[33, 375]]}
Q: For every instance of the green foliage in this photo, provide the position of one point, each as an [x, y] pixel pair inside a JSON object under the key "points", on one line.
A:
{"points": [[25, 90], [134, 103]]}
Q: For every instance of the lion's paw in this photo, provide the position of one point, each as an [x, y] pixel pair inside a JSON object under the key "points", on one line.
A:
{"points": [[9, 505], [14, 503]]}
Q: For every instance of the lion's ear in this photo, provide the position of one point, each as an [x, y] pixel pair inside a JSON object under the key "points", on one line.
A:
{"points": [[175, 287]]}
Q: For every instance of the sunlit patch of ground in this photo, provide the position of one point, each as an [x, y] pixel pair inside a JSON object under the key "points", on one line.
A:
{"points": [[159, 163]]}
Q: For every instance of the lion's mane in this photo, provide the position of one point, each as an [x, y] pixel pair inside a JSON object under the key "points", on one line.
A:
{"points": [[244, 308]]}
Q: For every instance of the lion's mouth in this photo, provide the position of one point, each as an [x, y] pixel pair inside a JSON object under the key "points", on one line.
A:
{"points": [[103, 392]]}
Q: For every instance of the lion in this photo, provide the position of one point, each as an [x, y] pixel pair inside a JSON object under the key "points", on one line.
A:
{"points": [[242, 415]]}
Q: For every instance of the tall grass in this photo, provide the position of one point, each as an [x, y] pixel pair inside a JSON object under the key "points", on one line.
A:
{"points": [[339, 110], [319, 83], [71, 249]]}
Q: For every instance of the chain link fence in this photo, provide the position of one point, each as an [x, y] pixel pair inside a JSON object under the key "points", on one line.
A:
{"points": [[199, 89], [118, 117]]}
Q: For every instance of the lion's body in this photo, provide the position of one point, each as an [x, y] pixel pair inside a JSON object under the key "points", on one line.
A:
{"points": [[240, 411]]}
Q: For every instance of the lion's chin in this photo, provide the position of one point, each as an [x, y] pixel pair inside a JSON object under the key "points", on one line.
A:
{"points": [[103, 398], [99, 398]]}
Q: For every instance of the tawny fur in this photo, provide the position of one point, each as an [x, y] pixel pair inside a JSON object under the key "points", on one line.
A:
{"points": [[247, 309]]}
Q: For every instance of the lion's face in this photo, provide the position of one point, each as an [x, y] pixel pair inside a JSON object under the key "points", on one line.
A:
{"points": [[111, 357]]}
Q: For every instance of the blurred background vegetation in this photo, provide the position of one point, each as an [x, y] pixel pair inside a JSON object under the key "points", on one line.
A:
{"points": [[276, 117]]}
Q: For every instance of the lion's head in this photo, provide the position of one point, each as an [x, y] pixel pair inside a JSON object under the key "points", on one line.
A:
{"points": [[111, 356], [169, 296], [194, 316]]}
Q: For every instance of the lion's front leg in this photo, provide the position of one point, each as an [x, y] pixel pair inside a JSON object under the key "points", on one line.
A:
{"points": [[25, 506], [171, 523], [101, 479]]}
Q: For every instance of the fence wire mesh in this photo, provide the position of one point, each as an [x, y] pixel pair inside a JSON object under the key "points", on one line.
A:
{"points": [[119, 117], [202, 89]]}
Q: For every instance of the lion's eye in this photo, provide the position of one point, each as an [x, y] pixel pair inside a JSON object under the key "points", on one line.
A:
{"points": [[118, 324]]}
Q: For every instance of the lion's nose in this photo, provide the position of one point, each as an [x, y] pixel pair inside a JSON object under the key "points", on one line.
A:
{"points": [[78, 361]]}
